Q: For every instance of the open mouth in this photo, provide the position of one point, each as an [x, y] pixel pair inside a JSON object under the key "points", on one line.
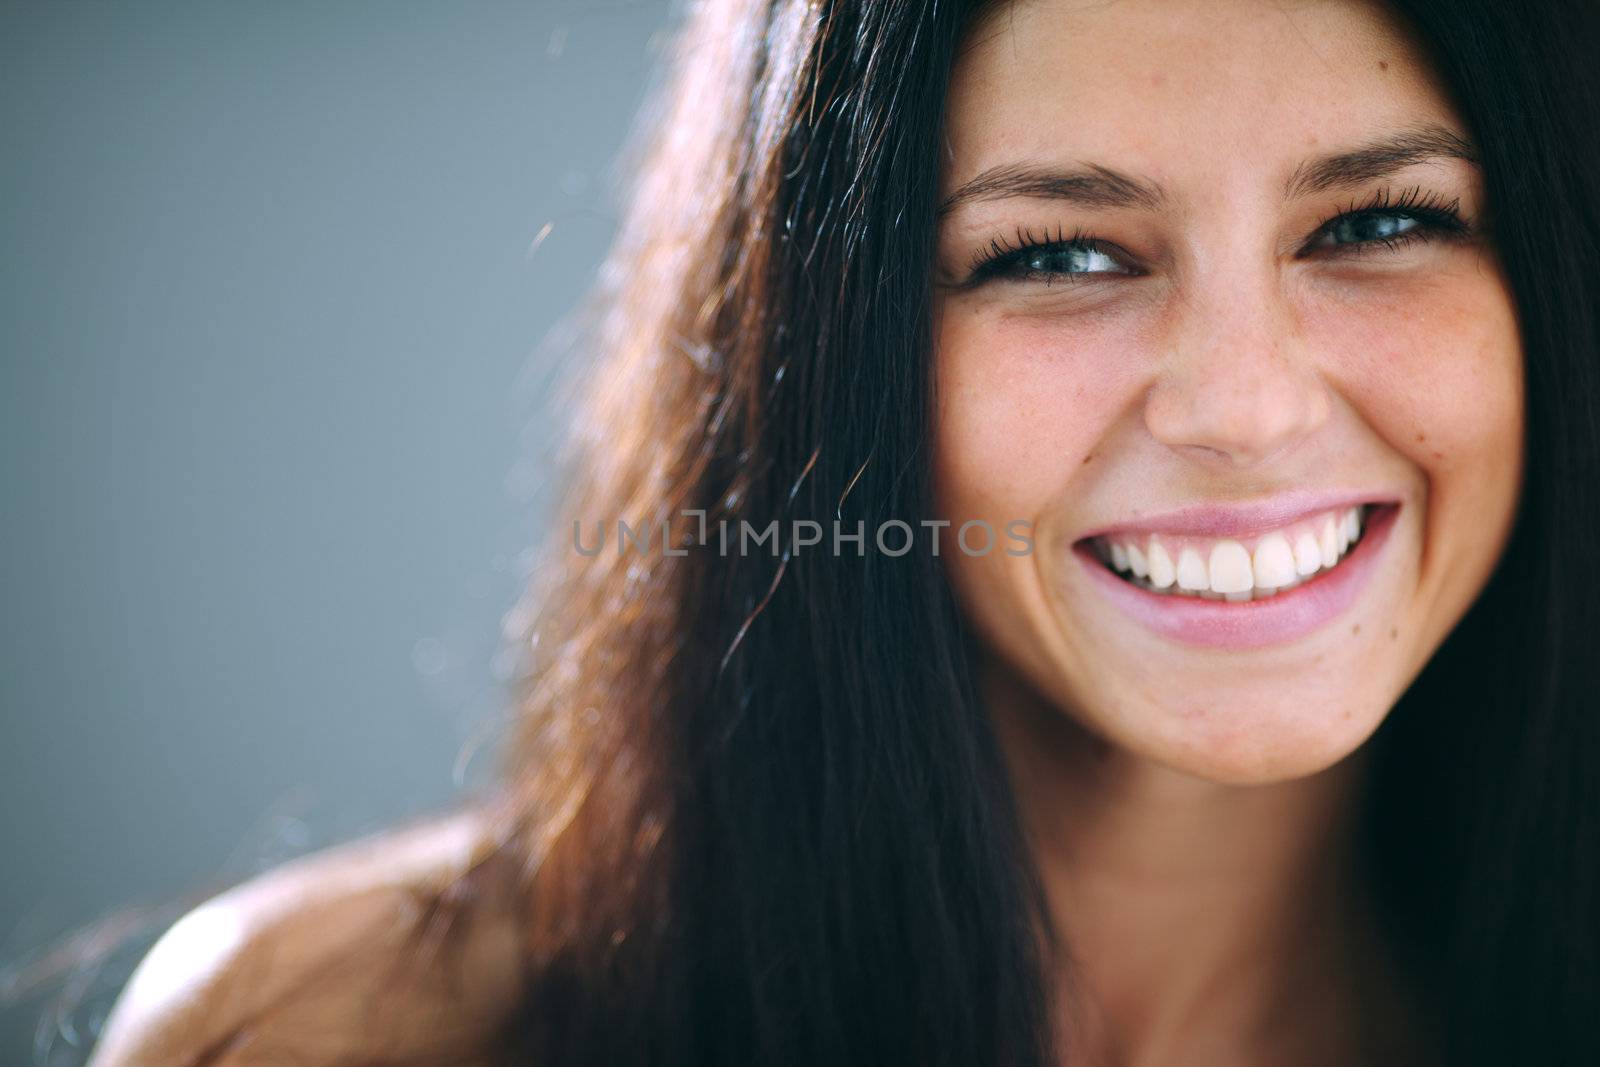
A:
{"points": [[1239, 570]]}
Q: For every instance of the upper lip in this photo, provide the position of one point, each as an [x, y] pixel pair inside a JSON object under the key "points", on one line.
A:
{"points": [[1243, 518]]}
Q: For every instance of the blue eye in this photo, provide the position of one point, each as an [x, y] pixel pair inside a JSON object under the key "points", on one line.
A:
{"points": [[1384, 224], [1352, 229], [1067, 259], [1048, 259], [1379, 224], [1366, 230]]}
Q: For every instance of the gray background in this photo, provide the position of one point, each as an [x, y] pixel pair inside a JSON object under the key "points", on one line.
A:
{"points": [[271, 434]]}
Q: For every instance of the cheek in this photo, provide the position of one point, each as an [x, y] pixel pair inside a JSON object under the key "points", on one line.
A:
{"points": [[1021, 410], [1436, 370], [1435, 367]]}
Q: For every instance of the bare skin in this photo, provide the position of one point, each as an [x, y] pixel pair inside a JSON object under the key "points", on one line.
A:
{"points": [[1206, 925], [1190, 811], [339, 958], [1190, 807]]}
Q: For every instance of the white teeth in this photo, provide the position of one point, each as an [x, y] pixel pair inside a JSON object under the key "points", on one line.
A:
{"points": [[1329, 543], [1192, 571], [1230, 568], [1162, 573], [1274, 562], [1307, 556]]}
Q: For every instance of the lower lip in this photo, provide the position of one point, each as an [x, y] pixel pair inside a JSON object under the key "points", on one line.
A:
{"points": [[1284, 617]]}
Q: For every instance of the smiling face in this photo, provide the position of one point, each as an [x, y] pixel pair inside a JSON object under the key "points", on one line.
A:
{"points": [[1210, 273]]}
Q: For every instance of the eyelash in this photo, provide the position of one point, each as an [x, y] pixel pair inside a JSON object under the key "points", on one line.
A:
{"points": [[1436, 219]]}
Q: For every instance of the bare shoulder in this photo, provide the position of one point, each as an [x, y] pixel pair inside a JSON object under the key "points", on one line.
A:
{"points": [[398, 948]]}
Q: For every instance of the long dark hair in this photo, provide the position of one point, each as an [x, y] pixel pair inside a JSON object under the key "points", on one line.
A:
{"points": [[762, 814]]}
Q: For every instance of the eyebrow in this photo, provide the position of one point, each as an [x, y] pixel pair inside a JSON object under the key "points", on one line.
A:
{"points": [[1093, 185], [1378, 160]]}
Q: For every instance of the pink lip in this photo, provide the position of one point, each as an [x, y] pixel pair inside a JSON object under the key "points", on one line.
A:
{"points": [[1251, 623], [1244, 519]]}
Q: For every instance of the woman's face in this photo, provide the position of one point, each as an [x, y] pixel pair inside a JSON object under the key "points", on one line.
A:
{"points": [[1281, 308]]}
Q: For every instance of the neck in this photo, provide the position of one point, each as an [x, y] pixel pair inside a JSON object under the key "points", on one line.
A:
{"points": [[1203, 921]]}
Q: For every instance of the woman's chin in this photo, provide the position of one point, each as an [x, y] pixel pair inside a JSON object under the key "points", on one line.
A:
{"points": [[1252, 742]]}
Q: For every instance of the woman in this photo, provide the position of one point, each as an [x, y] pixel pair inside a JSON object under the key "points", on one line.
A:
{"points": [[1261, 340]]}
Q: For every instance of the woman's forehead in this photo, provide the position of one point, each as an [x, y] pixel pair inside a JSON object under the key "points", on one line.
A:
{"points": [[1168, 86]]}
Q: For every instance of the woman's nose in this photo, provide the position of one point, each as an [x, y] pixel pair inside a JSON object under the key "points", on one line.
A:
{"points": [[1238, 386]]}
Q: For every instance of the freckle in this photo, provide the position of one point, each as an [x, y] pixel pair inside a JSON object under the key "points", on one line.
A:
{"points": [[1086, 459], [1394, 632], [1355, 629], [1421, 437], [1383, 64], [1347, 714]]}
